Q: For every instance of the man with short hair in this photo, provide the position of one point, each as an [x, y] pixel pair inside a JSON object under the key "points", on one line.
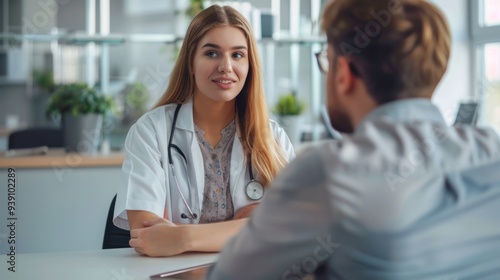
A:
{"points": [[402, 195]]}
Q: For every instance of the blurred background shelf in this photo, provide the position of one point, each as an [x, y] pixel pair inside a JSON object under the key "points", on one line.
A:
{"points": [[82, 39], [116, 39], [118, 46]]}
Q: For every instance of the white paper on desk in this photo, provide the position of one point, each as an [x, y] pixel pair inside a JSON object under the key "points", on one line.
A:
{"points": [[192, 273], [42, 150]]}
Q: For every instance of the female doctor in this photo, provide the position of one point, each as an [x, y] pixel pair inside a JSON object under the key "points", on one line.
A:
{"points": [[200, 160]]}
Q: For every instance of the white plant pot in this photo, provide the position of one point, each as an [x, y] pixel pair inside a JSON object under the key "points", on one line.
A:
{"points": [[293, 127]]}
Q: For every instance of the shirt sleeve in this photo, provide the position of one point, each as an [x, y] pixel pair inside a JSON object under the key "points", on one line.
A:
{"points": [[289, 233], [144, 178]]}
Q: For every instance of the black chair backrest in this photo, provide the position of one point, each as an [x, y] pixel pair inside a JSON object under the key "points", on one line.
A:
{"points": [[36, 137], [114, 237]]}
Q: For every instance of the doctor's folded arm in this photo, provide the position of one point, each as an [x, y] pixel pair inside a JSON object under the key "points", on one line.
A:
{"points": [[199, 163]]}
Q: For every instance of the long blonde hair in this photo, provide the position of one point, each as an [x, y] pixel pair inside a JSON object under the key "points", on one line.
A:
{"points": [[251, 109]]}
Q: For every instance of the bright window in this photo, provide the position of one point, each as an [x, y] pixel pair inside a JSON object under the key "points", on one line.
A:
{"points": [[492, 62], [491, 89], [491, 12], [485, 27]]}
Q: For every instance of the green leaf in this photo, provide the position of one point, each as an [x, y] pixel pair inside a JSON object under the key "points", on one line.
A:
{"points": [[78, 98], [288, 104]]}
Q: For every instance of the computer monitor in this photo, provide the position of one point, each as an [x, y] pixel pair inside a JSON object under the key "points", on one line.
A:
{"points": [[467, 113]]}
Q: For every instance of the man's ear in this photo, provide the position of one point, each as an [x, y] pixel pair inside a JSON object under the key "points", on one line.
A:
{"points": [[344, 77]]}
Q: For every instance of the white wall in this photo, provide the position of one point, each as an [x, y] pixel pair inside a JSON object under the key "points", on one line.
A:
{"points": [[39, 17], [456, 85]]}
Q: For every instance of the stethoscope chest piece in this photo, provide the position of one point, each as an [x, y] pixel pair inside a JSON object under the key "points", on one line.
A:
{"points": [[254, 190]]}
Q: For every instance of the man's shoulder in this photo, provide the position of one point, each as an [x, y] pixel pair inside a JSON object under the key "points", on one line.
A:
{"points": [[381, 146]]}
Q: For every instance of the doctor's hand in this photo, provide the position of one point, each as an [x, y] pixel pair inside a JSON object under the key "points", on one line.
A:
{"points": [[159, 238]]}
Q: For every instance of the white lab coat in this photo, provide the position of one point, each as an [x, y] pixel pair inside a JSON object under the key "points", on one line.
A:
{"points": [[149, 184]]}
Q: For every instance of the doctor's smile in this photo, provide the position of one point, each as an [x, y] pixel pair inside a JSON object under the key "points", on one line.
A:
{"points": [[224, 83]]}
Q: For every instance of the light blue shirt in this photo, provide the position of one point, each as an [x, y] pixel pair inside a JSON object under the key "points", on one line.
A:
{"points": [[404, 197]]}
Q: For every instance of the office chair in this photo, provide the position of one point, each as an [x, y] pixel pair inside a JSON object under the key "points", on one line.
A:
{"points": [[114, 237], [36, 137]]}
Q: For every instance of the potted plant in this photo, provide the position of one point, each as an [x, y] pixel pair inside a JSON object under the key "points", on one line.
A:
{"points": [[195, 6], [43, 86], [81, 110], [44, 80], [289, 110], [185, 12], [135, 100]]}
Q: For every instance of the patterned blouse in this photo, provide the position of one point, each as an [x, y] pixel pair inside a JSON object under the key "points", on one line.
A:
{"points": [[217, 201]]}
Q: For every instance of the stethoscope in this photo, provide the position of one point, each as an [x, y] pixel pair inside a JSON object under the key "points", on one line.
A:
{"points": [[254, 190]]}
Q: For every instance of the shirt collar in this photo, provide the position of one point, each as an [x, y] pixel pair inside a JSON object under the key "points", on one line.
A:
{"points": [[185, 118], [405, 110]]}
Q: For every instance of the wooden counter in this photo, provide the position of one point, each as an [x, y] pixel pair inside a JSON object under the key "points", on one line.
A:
{"points": [[59, 159], [4, 132]]}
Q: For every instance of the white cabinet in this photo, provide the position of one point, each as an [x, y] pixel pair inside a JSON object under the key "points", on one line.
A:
{"points": [[59, 209]]}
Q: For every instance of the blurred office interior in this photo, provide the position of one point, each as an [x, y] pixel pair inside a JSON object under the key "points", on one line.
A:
{"points": [[126, 49]]}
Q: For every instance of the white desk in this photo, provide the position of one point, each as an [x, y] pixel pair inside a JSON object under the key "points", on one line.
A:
{"points": [[112, 264]]}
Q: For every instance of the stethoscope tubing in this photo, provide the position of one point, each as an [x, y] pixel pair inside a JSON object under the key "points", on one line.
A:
{"points": [[192, 215]]}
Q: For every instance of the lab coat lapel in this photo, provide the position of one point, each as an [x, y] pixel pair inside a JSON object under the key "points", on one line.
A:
{"points": [[185, 122]]}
